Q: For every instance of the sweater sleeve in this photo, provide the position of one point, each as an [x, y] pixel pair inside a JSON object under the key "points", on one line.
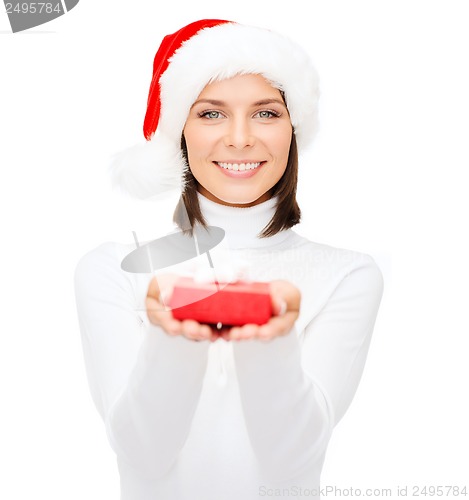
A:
{"points": [[294, 392], [144, 383]]}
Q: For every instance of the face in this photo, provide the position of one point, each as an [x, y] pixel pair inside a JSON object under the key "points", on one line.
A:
{"points": [[238, 136]]}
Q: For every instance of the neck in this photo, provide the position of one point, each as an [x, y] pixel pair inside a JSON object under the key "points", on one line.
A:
{"points": [[242, 224]]}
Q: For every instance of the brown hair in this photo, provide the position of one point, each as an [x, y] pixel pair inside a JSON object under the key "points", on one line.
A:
{"points": [[287, 213]]}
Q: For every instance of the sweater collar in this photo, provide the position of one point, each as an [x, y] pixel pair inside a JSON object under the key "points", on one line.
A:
{"points": [[243, 225]]}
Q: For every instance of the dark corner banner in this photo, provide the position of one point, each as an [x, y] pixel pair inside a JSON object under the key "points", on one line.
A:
{"points": [[25, 15]]}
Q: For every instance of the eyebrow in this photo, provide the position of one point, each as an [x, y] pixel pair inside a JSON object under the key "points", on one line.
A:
{"points": [[262, 102]]}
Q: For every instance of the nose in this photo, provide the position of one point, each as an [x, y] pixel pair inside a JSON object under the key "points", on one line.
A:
{"points": [[239, 133]]}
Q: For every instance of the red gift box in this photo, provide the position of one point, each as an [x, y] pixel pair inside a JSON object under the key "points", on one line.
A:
{"points": [[231, 304]]}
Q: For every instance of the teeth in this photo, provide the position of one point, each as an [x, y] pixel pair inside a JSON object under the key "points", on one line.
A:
{"points": [[239, 166]]}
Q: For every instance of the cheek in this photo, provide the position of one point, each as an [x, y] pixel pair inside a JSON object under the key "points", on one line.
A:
{"points": [[199, 146], [280, 143], [194, 145]]}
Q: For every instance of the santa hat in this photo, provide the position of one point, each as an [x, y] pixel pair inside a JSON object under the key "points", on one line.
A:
{"points": [[186, 61]]}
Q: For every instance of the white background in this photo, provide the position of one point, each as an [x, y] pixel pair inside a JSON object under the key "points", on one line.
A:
{"points": [[385, 176]]}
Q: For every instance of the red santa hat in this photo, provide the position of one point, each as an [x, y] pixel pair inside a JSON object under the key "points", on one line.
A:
{"points": [[186, 61]]}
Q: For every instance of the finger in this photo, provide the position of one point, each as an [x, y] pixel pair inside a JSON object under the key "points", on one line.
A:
{"points": [[155, 310], [194, 330], [206, 332], [165, 320], [154, 289], [161, 287], [277, 326], [154, 306], [171, 326], [236, 333], [244, 332], [281, 289]]}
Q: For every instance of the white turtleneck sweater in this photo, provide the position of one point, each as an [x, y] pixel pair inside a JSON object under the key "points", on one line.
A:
{"points": [[237, 420]]}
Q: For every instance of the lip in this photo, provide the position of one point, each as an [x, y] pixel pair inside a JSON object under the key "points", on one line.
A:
{"points": [[240, 174]]}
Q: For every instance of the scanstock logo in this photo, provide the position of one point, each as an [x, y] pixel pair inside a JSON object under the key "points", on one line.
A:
{"points": [[25, 15]]}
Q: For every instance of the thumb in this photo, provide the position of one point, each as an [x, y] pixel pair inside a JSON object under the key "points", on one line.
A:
{"points": [[279, 306]]}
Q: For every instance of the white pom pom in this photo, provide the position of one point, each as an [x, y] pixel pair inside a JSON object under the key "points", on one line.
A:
{"points": [[147, 170]]}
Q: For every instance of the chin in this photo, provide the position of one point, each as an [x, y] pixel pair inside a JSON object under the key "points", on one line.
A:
{"points": [[239, 195], [240, 198]]}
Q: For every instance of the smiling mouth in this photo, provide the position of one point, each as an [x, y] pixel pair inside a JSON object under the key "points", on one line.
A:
{"points": [[239, 166]]}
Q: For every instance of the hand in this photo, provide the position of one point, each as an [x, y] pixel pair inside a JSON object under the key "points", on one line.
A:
{"points": [[286, 299], [159, 290]]}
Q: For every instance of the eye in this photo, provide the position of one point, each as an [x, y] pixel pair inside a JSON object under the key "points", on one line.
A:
{"points": [[264, 114], [211, 115]]}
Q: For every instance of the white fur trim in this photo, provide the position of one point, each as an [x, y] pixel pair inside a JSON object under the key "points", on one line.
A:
{"points": [[230, 49]]}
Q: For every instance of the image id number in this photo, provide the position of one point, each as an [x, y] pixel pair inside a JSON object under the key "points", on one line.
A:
{"points": [[439, 491], [33, 8]]}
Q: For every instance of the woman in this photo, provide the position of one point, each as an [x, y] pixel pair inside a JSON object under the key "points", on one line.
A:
{"points": [[246, 412]]}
